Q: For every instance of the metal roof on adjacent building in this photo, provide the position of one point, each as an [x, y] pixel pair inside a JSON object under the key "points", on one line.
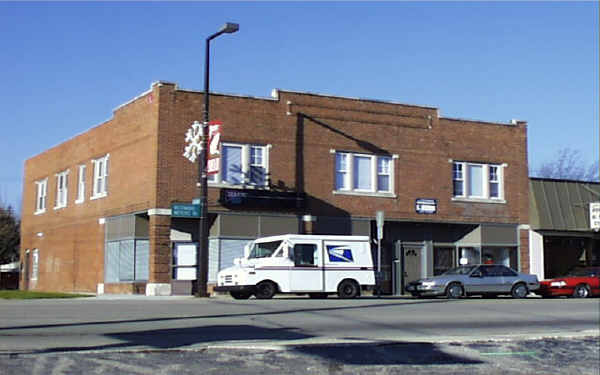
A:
{"points": [[561, 205]]}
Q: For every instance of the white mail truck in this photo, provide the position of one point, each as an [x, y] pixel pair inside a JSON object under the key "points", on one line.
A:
{"points": [[316, 265]]}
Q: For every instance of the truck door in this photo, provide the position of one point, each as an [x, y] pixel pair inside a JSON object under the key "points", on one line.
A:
{"points": [[307, 273]]}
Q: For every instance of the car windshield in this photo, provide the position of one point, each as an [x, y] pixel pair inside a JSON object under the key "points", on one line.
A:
{"points": [[463, 270], [263, 249], [580, 271]]}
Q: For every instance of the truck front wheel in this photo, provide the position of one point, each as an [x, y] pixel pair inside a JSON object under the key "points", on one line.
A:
{"points": [[265, 290], [348, 289]]}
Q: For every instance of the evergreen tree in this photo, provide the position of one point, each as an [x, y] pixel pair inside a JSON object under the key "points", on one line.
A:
{"points": [[10, 236]]}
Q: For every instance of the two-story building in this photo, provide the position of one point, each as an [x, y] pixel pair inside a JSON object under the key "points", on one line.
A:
{"points": [[98, 209]]}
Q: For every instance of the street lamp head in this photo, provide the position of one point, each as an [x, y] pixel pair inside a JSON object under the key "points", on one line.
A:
{"points": [[230, 28]]}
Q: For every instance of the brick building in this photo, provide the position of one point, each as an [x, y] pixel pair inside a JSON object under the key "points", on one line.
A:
{"points": [[97, 209]]}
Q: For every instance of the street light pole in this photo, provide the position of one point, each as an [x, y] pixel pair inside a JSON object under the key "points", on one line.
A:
{"points": [[202, 252]]}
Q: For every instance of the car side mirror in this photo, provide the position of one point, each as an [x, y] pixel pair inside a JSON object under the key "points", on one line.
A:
{"points": [[476, 274]]}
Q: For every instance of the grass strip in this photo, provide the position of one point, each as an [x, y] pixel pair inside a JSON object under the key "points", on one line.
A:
{"points": [[23, 294]]}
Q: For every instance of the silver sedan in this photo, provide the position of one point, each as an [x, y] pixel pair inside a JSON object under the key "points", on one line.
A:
{"points": [[484, 279]]}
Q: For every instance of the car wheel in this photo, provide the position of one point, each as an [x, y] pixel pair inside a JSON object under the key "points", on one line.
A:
{"points": [[240, 295], [317, 295], [348, 289], [581, 291], [519, 291], [265, 290], [454, 290]]}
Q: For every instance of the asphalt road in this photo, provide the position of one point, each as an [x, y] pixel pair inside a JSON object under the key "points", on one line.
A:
{"points": [[172, 323]]}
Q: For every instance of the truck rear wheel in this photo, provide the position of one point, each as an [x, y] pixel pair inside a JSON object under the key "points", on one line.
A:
{"points": [[265, 290], [348, 289]]}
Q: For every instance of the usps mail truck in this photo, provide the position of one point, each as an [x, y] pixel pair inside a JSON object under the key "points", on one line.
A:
{"points": [[301, 264]]}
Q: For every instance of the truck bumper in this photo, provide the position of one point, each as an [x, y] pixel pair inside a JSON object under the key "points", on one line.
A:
{"points": [[235, 288]]}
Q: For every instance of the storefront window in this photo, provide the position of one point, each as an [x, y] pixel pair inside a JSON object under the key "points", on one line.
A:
{"points": [[500, 255], [469, 255], [443, 259]]}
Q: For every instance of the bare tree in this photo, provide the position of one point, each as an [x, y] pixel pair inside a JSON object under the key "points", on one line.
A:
{"points": [[568, 165], [10, 236]]}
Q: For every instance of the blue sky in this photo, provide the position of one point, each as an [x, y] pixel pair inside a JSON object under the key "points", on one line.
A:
{"points": [[66, 66]]}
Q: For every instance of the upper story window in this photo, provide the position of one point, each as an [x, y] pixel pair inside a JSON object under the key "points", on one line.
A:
{"points": [[364, 174], [40, 198], [62, 189], [100, 183], [242, 164], [476, 181], [81, 184]]}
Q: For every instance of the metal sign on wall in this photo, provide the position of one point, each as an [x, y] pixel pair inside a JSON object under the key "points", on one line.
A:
{"points": [[595, 216], [426, 206], [261, 199]]}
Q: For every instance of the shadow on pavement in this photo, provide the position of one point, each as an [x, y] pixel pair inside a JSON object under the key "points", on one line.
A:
{"points": [[397, 353], [176, 338]]}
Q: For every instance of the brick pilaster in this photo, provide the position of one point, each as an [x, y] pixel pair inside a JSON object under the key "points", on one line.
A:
{"points": [[160, 249]]}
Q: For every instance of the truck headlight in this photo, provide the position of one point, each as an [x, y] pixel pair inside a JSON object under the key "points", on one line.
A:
{"points": [[558, 284]]}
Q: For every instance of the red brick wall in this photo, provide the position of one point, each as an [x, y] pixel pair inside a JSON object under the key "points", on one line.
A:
{"points": [[423, 142], [72, 245], [524, 250]]}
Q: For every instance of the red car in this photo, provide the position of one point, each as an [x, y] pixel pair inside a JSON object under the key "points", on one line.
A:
{"points": [[580, 282]]}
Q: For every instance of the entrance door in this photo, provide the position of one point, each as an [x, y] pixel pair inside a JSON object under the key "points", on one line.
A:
{"points": [[307, 273], [184, 268], [407, 265], [412, 262]]}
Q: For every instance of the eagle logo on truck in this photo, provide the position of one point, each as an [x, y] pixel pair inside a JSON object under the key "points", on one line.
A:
{"points": [[339, 254]]}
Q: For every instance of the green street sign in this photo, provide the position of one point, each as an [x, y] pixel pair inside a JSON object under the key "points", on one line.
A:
{"points": [[185, 210]]}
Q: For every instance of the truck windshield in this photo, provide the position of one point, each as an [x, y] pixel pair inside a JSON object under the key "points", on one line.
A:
{"points": [[263, 249]]}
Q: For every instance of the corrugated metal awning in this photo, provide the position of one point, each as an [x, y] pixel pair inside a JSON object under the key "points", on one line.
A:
{"points": [[561, 205]]}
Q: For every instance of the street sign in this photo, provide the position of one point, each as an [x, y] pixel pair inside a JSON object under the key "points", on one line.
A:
{"points": [[595, 216], [185, 210]]}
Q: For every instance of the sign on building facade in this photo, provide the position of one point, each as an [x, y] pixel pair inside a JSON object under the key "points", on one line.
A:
{"points": [[595, 216], [214, 147]]}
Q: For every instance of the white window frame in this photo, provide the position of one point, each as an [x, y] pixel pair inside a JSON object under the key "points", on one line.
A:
{"points": [[493, 181], [485, 183], [81, 184], [343, 172], [348, 172], [216, 179], [458, 178], [62, 189], [100, 180], [41, 196]]}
